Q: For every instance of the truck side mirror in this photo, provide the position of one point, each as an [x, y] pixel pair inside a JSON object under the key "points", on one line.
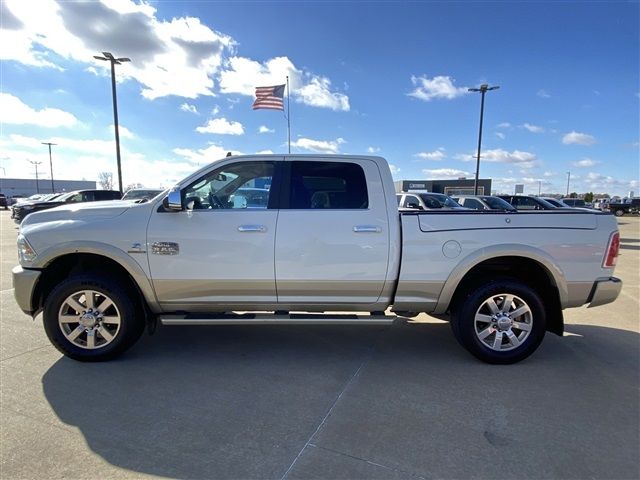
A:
{"points": [[414, 205], [173, 201]]}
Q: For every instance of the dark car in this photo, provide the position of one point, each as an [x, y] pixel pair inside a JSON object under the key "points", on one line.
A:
{"points": [[3, 201], [426, 201], [527, 202], [574, 202], [21, 210], [484, 202], [142, 194]]}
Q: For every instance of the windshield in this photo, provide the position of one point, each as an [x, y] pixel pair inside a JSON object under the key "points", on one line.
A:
{"points": [[496, 203], [439, 199]]}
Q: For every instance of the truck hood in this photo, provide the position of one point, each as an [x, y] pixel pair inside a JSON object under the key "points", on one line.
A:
{"points": [[79, 211]]}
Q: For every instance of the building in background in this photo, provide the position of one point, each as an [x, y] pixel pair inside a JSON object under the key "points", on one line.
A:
{"points": [[461, 186], [27, 186]]}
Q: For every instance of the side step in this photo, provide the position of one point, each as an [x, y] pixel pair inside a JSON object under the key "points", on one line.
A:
{"points": [[275, 319]]}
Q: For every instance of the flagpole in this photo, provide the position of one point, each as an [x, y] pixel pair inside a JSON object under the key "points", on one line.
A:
{"points": [[288, 116]]}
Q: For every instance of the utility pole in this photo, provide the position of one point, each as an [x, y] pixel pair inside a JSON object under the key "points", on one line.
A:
{"points": [[114, 61], [484, 88], [568, 179], [50, 164], [539, 186], [33, 162]]}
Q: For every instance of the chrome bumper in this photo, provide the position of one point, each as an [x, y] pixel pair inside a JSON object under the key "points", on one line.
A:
{"points": [[24, 282], [605, 290]]}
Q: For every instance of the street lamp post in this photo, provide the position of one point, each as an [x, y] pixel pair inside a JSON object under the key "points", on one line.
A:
{"points": [[114, 61], [33, 162], [484, 88], [568, 179], [50, 164]]}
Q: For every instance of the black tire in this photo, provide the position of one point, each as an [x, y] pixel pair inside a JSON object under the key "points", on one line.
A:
{"points": [[467, 331], [619, 212], [131, 319]]}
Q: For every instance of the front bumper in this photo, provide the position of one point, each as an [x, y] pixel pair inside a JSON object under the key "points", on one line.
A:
{"points": [[605, 290], [24, 282]]}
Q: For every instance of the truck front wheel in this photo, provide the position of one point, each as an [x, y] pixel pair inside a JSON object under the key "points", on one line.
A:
{"points": [[619, 212], [91, 318], [502, 321]]}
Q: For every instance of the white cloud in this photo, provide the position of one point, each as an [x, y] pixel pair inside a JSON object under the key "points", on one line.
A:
{"points": [[585, 162], [176, 57], [319, 146], [394, 170], [15, 111], [543, 94], [533, 128], [548, 173], [187, 107], [215, 110], [242, 75], [221, 126], [498, 155], [373, 149], [265, 129], [437, 87], [446, 173], [503, 125], [206, 155], [500, 135], [578, 138], [317, 93], [436, 155], [123, 131], [264, 152]]}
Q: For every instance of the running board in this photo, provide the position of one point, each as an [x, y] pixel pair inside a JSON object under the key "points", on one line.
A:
{"points": [[273, 319]]}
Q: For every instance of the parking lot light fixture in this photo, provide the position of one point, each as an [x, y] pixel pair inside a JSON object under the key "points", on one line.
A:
{"points": [[34, 163], [50, 164], [108, 57], [484, 88]]}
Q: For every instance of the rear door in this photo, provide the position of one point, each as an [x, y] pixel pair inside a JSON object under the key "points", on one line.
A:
{"points": [[332, 240]]}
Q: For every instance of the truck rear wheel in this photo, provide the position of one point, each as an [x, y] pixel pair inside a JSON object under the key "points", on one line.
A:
{"points": [[502, 321], [91, 318]]}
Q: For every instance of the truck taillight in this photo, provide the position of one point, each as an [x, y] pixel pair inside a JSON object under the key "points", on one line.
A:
{"points": [[612, 251]]}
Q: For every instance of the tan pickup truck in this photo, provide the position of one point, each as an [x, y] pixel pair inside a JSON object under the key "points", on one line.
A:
{"points": [[322, 242]]}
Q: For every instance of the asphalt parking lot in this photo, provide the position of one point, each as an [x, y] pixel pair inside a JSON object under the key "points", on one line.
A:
{"points": [[325, 402]]}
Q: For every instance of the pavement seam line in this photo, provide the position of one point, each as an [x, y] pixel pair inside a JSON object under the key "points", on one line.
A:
{"points": [[335, 402], [25, 353], [386, 467]]}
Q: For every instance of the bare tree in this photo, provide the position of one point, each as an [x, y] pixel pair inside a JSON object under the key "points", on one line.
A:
{"points": [[105, 179]]}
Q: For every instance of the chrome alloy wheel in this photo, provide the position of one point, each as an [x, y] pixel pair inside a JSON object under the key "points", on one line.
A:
{"points": [[503, 322], [89, 319]]}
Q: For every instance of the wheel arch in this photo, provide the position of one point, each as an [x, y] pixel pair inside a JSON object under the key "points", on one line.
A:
{"points": [[535, 268], [76, 259]]}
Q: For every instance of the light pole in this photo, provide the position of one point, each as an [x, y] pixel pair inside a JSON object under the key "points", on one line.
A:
{"points": [[50, 163], [33, 162], [568, 179], [484, 88], [114, 61]]}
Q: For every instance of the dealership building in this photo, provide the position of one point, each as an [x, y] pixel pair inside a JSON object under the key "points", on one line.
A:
{"points": [[461, 186], [27, 186]]}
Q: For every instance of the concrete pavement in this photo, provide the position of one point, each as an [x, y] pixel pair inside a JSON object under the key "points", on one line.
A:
{"points": [[325, 402]]}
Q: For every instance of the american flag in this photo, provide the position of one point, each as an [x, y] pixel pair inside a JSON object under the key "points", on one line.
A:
{"points": [[269, 98]]}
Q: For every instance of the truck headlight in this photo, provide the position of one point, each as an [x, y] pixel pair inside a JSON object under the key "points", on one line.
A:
{"points": [[26, 253]]}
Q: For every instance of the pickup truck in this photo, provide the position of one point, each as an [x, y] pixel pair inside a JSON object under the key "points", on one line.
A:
{"points": [[329, 246], [621, 208]]}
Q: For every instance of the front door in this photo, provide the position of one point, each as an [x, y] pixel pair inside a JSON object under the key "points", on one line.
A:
{"points": [[220, 249]]}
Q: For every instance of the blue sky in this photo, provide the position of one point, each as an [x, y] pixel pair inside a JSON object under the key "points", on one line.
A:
{"points": [[366, 77]]}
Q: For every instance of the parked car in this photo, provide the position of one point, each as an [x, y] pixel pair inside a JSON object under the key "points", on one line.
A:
{"points": [[20, 210], [484, 202], [4, 202], [632, 205], [574, 202], [141, 194], [556, 202], [101, 272], [426, 201], [527, 202]]}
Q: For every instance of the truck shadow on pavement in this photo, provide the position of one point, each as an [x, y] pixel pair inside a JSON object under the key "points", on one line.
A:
{"points": [[241, 402]]}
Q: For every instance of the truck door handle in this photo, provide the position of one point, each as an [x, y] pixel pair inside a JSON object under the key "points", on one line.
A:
{"points": [[252, 228], [366, 229]]}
